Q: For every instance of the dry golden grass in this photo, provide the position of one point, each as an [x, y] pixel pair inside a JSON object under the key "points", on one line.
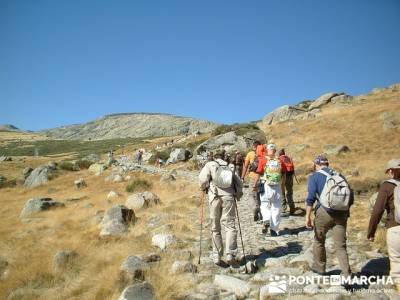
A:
{"points": [[360, 128], [31, 246], [10, 136]]}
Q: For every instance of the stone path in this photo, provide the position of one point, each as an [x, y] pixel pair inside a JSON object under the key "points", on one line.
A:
{"points": [[277, 258]]}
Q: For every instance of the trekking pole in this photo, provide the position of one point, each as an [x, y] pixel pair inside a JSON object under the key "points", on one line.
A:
{"points": [[241, 237], [237, 214], [295, 177], [201, 223]]}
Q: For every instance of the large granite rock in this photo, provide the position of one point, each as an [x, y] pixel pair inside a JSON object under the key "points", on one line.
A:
{"points": [[231, 141], [163, 240], [39, 176], [36, 205], [283, 113], [178, 155], [116, 221], [231, 284], [142, 200], [138, 291], [323, 100], [133, 268]]}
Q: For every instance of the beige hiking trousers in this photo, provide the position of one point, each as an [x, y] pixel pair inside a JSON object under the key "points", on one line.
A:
{"points": [[324, 222], [223, 212], [393, 245]]}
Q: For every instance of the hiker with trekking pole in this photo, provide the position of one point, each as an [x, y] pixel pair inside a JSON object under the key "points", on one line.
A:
{"points": [[223, 188]]}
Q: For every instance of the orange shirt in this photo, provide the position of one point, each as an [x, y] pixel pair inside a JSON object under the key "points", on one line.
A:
{"points": [[250, 157]]}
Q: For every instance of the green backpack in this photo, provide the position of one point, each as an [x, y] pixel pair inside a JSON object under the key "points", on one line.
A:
{"points": [[273, 171]]}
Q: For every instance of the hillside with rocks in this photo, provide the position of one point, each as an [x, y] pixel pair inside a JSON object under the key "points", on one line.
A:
{"points": [[100, 227], [132, 125]]}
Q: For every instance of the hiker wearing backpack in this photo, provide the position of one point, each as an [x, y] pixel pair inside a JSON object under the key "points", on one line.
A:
{"points": [[223, 188], [334, 198], [239, 162], [389, 199], [287, 181], [250, 168], [270, 190]]}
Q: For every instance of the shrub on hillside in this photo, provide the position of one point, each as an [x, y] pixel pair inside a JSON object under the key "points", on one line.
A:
{"points": [[67, 166], [8, 183], [239, 129], [83, 164], [138, 185], [164, 155]]}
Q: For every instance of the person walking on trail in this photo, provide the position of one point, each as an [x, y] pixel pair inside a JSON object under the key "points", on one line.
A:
{"points": [[287, 181], [334, 198], [389, 199], [239, 161], [250, 168], [223, 188], [270, 190], [139, 157]]}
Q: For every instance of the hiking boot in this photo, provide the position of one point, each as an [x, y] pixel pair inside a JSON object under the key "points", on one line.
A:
{"points": [[292, 210], [284, 205], [230, 259], [264, 229], [274, 233], [318, 272], [216, 260], [257, 216]]}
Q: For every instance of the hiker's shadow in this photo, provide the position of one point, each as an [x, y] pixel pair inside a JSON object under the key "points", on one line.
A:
{"points": [[374, 267], [291, 248], [293, 231], [299, 212]]}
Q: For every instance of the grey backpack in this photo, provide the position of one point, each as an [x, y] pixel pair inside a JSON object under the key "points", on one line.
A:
{"points": [[396, 199], [336, 194], [223, 177]]}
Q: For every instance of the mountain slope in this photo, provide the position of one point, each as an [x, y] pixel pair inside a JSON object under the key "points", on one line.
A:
{"points": [[8, 127], [132, 125], [369, 125]]}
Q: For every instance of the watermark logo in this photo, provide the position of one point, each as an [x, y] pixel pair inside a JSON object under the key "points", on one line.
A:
{"points": [[277, 285], [282, 284]]}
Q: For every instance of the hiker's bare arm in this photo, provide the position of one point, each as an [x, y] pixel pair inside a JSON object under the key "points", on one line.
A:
{"points": [[245, 169], [308, 217]]}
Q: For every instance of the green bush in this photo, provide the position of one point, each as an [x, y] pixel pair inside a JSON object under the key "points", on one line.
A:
{"points": [[239, 129], [67, 166], [78, 147], [83, 164], [8, 183], [193, 145], [138, 185], [164, 155]]}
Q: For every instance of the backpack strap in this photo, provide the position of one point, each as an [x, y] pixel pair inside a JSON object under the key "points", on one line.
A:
{"points": [[325, 173], [394, 181]]}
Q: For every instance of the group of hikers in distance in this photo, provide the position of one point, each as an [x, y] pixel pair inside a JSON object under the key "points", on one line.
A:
{"points": [[269, 176]]}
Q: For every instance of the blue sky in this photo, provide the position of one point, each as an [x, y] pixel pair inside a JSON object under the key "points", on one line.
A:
{"points": [[66, 62]]}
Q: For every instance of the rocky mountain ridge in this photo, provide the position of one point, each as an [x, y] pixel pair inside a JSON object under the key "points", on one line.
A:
{"points": [[310, 109], [132, 125]]}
